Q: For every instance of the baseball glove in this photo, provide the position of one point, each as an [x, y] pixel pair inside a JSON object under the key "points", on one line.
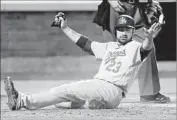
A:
{"points": [[153, 13], [57, 23]]}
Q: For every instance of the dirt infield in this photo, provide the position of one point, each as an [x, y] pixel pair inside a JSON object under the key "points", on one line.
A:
{"points": [[128, 110]]}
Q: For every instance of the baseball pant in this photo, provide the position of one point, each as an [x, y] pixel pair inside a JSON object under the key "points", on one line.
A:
{"points": [[92, 94], [148, 77]]}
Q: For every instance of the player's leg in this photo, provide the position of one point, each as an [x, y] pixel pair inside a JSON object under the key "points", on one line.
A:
{"points": [[18, 100], [96, 94], [101, 95], [90, 94]]}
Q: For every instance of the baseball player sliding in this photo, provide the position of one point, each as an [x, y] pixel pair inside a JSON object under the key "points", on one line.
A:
{"points": [[144, 16], [120, 63]]}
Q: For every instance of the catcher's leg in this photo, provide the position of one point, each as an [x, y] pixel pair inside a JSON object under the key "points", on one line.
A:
{"points": [[148, 73], [149, 85]]}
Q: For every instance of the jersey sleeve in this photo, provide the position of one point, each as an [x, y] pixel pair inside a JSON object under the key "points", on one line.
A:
{"points": [[99, 49]]}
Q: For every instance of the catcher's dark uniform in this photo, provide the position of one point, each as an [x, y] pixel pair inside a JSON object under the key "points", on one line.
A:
{"points": [[148, 74]]}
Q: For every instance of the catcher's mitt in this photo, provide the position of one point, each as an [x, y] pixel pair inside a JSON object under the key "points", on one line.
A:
{"points": [[153, 13]]}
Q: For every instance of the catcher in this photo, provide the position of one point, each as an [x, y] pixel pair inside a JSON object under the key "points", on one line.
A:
{"points": [[144, 16], [120, 63]]}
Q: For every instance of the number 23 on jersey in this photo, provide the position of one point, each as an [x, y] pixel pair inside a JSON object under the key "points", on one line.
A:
{"points": [[112, 65]]}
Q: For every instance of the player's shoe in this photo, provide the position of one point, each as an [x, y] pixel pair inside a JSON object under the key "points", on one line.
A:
{"points": [[12, 94], [157, 98]]}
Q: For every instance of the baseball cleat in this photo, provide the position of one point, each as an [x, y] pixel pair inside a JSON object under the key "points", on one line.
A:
{"points": [[157, 98], [12, 94]]}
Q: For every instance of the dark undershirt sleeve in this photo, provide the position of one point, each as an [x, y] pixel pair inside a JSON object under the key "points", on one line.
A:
{"points": [[85, 44], [144, 53]]}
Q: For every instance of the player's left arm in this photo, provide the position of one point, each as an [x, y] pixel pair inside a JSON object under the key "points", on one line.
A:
{"points": [[93, 48], [147, 45]]}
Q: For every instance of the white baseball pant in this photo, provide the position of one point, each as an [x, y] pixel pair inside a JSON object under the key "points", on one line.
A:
{"points": [[92, 94]]}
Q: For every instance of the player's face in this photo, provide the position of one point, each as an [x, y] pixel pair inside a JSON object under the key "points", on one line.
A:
{"points": [[124, 34]]}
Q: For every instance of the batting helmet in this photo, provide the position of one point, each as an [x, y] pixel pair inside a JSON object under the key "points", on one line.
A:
{"points": [[124, 21]]}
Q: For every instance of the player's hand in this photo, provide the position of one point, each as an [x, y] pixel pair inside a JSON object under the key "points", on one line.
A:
{"points": [[117, 5], [60, 21], [153, 31]]}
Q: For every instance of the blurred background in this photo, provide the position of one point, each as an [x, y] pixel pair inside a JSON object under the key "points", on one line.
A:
{"points": [[31, 49]]}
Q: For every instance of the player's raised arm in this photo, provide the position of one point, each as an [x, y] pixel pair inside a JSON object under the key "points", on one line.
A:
{"points": [[93, 48], [61, 22], [80, 40], [149, 34], [148, 43]]}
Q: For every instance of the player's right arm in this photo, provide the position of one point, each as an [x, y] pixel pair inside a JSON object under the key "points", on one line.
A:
{"points": [[93, 48], [149, 36], [148, 43]]}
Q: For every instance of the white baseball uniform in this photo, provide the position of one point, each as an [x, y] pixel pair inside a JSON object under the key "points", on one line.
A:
{"points": [[117, 71], [120, 63]]}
